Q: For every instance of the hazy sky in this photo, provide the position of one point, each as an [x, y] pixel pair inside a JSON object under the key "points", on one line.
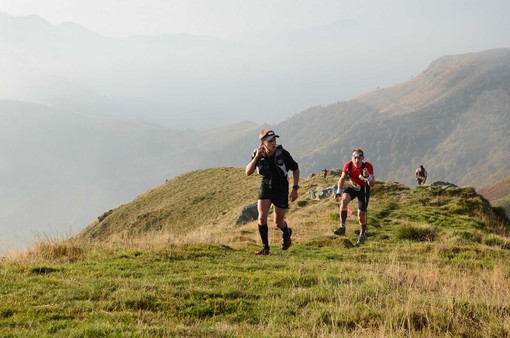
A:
{"points": [[335, 49], [231, 18]]}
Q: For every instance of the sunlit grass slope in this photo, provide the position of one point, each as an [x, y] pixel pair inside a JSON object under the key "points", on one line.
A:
{"points": [[435, 264], [203, 206], [194, 205]]}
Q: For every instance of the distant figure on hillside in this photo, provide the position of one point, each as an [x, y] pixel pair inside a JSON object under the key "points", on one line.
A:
{"points": [[325, 171], [421, 175], [361, 179], [273, 162]]}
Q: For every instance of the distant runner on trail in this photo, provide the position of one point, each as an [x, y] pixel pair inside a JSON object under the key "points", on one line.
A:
{"points": [[421, 175], [361, 176], [273, 162]]}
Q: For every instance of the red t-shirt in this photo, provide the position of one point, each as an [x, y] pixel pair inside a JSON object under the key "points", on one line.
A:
{"points": [[355, 172]]}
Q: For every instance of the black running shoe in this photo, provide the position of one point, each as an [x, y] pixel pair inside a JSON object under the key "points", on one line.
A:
{"points": [[263, 252], [340, 231], [287, 241], [362, 239]]}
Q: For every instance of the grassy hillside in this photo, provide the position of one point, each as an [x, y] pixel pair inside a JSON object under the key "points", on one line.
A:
{"points": [[496, 190], [206, 203], [196, 204], [173, 263], [498, 194]]}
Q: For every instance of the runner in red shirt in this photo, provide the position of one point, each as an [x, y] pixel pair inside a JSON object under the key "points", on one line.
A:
{"points": [[361, 176]]}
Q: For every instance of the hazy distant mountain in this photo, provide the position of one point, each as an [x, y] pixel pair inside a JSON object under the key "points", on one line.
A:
{"points": [[61, 169], [184, 81], [155, 79], [454, 118], [179, 81]]}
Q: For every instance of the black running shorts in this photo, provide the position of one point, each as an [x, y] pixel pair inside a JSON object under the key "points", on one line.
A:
{"points": [[278, 198], [359, 193]]}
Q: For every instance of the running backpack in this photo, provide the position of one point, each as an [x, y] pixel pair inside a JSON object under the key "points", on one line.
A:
{"points": [[264, 165], [280, 162]]}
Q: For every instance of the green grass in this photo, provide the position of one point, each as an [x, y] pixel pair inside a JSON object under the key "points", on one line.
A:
{"points": [[316, 289], [435, 264]]}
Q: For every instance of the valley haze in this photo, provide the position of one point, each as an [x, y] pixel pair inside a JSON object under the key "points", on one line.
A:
{"points": [[90, 120]]}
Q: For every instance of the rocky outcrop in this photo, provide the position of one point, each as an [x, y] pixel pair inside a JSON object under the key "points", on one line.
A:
{"points": [[248, 214]]}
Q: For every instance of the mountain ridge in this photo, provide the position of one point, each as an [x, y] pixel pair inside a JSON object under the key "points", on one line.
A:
{"points": [[432, 131], [204, 205]]}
